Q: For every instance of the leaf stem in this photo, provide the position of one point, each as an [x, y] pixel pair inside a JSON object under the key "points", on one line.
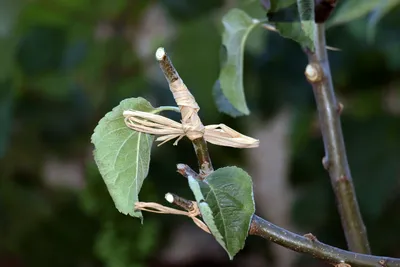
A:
{"points": [[335, 161], [166, 108], [309, 244]]}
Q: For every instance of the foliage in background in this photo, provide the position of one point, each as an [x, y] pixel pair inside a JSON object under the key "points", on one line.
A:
{"points": [[64, 64]]}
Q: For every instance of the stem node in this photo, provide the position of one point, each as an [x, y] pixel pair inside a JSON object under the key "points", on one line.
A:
{"points": [[314, 73], [325, 163]]}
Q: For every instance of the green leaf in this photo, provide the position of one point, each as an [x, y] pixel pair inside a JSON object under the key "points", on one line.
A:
{"points": [[226, 204], [308, 26], [351, 10], [380, 11], [123, 155], [237, 26], [294, 20], [223, 104]]}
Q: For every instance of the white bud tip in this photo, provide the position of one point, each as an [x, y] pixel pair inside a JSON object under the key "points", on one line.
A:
{"points": [[169, 197], [180, 166], [310, 71], [160, 53]]}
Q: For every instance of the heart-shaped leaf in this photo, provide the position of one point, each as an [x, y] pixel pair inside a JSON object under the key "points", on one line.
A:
{"points": [[226, 204], [123, 155], [237, 26], [294, 19]]}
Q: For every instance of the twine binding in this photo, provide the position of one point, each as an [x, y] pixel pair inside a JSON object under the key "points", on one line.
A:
{"points": [[158, 208], [191, 125], [167, 129]]}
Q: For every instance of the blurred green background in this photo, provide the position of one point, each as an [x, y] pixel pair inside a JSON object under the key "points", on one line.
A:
{"points": [[65, 63]]}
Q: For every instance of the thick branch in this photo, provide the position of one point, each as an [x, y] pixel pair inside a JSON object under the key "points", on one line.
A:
{"points": [[335, 161], [308, 244]]}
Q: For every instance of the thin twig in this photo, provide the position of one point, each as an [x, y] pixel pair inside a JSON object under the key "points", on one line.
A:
{"points": [[192, 210], [307, 244], [335, 161], [199, 143], [311, 246], [186, 171], [179, 201]]}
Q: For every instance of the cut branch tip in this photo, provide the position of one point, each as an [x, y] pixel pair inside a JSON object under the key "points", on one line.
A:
{"points": [[160, 53], [169, 197]]}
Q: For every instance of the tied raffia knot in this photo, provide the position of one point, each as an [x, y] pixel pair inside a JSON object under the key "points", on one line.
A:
{"points": [[191, 126], [158, 208], [167, 129]]}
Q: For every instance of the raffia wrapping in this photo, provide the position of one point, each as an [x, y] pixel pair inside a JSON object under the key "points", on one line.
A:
{"points": [[167, 129], [158, 208]]}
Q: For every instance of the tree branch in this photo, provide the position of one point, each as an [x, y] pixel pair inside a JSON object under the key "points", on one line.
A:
{"points": [[308, 244], [335, 161]]}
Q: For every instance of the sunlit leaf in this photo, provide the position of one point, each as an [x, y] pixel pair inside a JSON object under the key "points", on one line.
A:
{"points": [[237, 26], [123, 155], [226, 203]]}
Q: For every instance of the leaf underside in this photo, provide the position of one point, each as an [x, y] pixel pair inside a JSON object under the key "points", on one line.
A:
{"points": [[237, 26], [226, 203], [123, 155]]}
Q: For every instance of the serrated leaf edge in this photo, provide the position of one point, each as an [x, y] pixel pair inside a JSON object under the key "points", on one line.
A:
{"points": [[104, 119]]}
